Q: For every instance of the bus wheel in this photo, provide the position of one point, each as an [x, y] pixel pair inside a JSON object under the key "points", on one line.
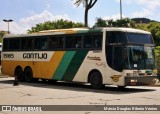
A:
{"points": [[28, 75], [121, 87], [96, 80], [19, 74]]}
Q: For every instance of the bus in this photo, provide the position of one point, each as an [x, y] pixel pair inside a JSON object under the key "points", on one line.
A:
{"points": [[100, 56]]}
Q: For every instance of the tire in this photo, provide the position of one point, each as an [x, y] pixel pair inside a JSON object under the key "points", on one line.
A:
{"points": [[19, 74], [96, 80], [121, 87], [52, 81], [28, 75]]}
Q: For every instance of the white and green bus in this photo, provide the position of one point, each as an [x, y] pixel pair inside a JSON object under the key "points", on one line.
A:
{"points": [[102, 56]]}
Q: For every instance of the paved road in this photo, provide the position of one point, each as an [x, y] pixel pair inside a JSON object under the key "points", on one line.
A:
{"points": [[62, 93]]}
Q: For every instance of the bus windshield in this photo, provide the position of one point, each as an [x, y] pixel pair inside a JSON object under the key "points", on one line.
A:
{"points": [[126, 50], [139, 38], [140, 57]]}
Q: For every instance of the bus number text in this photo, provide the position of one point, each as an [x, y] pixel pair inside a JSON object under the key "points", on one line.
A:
{"points": [[8, 55]]}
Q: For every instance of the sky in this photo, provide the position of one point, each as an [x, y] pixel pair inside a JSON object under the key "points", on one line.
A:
{"points": [[27, 13]]}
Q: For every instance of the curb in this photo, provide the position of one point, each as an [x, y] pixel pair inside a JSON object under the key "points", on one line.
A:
{"points": [[3, 76]]}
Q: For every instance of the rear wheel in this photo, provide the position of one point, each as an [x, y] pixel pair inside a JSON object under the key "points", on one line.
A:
{"points": [[52, 81], [96, 80], [19, 74], [28, 75]]}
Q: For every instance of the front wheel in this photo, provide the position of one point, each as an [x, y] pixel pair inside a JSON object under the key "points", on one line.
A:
{"points": [[121, 87], [28, 75], [96, 80]]}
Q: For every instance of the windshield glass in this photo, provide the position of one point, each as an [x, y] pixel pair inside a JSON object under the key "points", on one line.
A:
{"points": [[139, 38], [140, 57]]}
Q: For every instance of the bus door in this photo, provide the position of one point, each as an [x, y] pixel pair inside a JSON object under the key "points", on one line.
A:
{"points": [[114, 55]]}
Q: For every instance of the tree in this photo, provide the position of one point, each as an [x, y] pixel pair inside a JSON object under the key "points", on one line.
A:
{"points": [[2, 33], [100, 23], [154, 28], [88, 5], [59, 24], [111, 23]]}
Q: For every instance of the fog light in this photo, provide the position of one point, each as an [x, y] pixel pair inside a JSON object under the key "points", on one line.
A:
{"points": [[133, 81], [129, 74]]}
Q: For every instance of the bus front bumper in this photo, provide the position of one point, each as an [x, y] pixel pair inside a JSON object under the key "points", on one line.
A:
{"points": [[140, 80]]}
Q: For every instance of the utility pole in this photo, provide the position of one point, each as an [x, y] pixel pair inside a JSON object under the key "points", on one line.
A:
{"points": [[121, 9]]}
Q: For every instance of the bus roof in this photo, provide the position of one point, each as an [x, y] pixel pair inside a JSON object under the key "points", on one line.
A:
{"points": [[126, 30], [77, 30]]}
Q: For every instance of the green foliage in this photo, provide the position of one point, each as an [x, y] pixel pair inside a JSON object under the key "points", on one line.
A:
{"points": [[59, 24], [117, 23], [157, 55], [2, 33], [100, 23], [154, 28]]}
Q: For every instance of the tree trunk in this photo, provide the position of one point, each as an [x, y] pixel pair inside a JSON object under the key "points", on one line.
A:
{"points": [[86, 17]]}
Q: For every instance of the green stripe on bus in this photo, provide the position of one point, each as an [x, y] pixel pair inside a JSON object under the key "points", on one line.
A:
{"points": [[62, 67], [74, 65]]}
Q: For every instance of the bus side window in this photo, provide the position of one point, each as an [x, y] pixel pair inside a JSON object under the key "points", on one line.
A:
{"points": [[88, 41], [27, 44], [60, 42], [78, 41], [41, 44], [73, 41], [14, 44], [97, 41], [93, 41], [56, 42], [115, 37], [5, 44]]}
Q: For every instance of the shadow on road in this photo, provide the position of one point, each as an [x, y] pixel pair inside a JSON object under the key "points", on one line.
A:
{"points": [[80, 87]]}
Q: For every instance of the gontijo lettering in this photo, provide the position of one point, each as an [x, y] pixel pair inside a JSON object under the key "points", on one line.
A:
{"points": [[35, 55]]}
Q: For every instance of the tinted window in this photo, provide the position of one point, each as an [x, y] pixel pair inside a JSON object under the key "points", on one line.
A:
{"points": [[115, 37], [73, 42], [93, 41], [5, 44], [88, 41], [41, 43], [56, 42], [14, 44], [139, 38], [114, 57], [26, 44]]}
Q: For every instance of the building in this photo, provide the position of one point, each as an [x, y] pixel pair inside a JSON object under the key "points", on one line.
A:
{"points": [[141, 20]]}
